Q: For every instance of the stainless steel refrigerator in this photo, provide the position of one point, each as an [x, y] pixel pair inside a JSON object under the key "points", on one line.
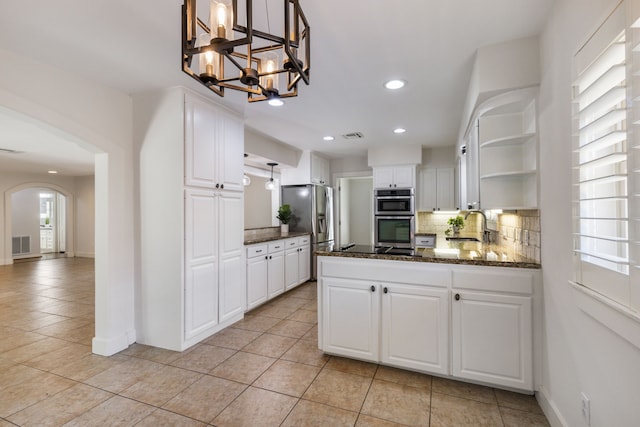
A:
{"points": [[312, 209]]}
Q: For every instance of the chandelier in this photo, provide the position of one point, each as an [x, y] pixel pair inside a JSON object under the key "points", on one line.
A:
{"points": [[235, 48]]}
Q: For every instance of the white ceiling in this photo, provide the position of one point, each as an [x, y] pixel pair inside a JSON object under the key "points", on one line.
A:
{"points": [[134, 46]]}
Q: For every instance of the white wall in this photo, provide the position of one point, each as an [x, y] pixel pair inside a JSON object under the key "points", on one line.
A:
{"points": [[580, 355], [257, 204], [99, 119], [85, 216], [350, 164]]}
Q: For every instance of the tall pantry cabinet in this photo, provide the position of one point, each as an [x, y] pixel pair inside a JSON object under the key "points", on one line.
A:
{"points": [[192, 282]]}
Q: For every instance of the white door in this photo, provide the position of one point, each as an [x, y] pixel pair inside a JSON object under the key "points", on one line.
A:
{"points": [[446, 191], [276, 274], [304, 263], [230, 152], [404, 177], [201, 261], [232, 275], [256, 281], [415, 328], [382, 177], [200, 143], [493, 339], [427, 195], [351, 310], [291, 268]]}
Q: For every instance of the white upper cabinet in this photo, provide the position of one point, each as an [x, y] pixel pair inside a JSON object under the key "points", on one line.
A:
{"points": [[394, 176], [436, 190], [213, 147], [311, 169]]}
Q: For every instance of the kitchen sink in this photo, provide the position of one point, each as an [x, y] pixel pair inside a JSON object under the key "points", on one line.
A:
{"points": [[462, 239]]}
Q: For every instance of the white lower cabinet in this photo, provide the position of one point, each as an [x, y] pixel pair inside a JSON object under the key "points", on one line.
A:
{"points": [[297, 261], [276, 267], [275, 275], [415, 328], [468, 322], [492, 338], [350, 309]]}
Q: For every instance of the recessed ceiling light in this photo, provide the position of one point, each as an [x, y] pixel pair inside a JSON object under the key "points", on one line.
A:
{"points": [[52, 172], [328, 138], [276, 102], [394, 84], [399, 130]]}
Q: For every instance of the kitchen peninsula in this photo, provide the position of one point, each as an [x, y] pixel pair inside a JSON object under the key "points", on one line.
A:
{"points": [[467, 310]]}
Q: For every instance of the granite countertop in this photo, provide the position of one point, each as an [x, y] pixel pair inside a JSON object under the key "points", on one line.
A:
{"points": [[273, 236], [468, 253]]}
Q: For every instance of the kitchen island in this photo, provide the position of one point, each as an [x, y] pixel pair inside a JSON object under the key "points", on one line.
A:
{"points": [[469, 312]]}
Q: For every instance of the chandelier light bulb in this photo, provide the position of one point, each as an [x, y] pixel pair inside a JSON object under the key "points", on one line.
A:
{"points": [[221, 13]]}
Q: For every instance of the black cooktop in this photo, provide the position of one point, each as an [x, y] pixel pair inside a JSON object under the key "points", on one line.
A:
{"points": [[370, 249]]}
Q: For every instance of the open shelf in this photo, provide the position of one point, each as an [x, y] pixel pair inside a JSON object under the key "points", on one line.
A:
{"points": [[508, 140], [507, 174]]}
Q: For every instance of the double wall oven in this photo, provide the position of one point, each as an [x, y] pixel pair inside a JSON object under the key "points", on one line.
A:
{"points": [[394, 221]]}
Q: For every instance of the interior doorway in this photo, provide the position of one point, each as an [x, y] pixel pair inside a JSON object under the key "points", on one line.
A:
{"points": [[355, 210], [52, 222], [38, 223]]}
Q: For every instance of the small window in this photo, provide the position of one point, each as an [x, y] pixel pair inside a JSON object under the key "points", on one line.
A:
{"points": [[605, 203]]}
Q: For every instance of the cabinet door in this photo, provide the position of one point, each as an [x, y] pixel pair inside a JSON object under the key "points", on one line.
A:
{"points": [[493, 339], [231, 238], [404, 177], [256, 281], [415, 328], [304, 264], [276, 274], [319, 170], [200, 144], [230, 152], [445, 189], [382, 177], [201, 261], [427, 196], [350, 309], [291, 268]]}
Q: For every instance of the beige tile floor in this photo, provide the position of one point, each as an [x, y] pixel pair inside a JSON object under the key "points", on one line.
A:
{"points": [[263, 371]]}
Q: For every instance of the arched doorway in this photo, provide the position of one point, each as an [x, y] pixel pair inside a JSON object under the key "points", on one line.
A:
{"points": [[40, 219]]}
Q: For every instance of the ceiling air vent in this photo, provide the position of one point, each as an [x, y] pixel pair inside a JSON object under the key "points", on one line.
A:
{"points": [[353, 135]]}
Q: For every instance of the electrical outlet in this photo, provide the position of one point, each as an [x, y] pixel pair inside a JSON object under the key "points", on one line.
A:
{"points": [[586, 408]]}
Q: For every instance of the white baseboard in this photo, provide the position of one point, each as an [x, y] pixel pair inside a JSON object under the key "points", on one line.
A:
{"points": [[80, 254], [550, 409], [109, 347]]}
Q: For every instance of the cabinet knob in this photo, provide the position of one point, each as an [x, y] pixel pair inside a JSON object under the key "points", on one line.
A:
{"points": [[373, 288], [457, 297], [385, 290], [221, 185], [270, 257], [266, 257], [217, 185]]}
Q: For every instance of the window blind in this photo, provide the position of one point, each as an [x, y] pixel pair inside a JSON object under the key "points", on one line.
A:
{"points": [[603, 225]]}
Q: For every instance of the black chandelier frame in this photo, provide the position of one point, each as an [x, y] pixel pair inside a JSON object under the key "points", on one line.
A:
{"points": [[248, 78]]}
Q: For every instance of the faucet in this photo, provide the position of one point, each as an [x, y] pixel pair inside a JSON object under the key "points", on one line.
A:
{"points": [[486, 233]]}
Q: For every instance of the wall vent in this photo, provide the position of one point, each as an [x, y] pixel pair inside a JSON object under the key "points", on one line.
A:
{"points": [[20, 245], [353, 135]]}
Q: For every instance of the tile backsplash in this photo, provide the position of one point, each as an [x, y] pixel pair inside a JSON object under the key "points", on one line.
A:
{"points": [[517, 230]]}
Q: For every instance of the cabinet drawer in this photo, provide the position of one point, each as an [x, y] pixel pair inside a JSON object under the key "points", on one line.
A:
{"points": [[291, 243], [487, 279], [276, 246], [257, 250], [304, 240]]}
